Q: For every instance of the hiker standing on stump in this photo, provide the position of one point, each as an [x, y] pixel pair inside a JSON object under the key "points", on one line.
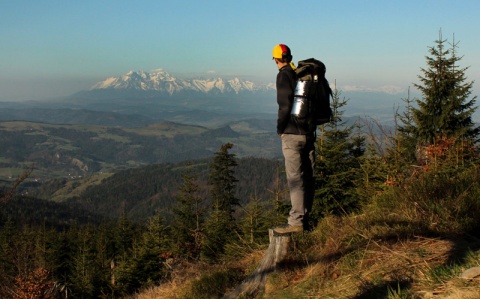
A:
{"points": [[298, 145]]}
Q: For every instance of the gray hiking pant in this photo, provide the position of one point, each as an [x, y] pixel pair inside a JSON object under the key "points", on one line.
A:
{"points": [[299, 154]]}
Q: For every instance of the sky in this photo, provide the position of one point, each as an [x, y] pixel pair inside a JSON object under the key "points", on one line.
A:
{"points": [[54, 48]]}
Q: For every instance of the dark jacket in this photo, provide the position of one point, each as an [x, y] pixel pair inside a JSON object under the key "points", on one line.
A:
{"points": [[286, 80]]}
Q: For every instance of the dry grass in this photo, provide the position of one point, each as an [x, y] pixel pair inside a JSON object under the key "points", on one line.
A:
{"points": [[371, 269], [373, 255], [186, 273], [183, 273], [410, 242]]}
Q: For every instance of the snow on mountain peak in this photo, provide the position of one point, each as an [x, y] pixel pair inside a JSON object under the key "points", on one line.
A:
{"points": [[161, 81]]}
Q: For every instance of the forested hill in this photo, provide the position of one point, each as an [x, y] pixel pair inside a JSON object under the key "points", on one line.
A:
{"points": [[140, 192]]}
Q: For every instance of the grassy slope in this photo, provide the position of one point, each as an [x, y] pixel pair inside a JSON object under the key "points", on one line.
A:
{"points": [[415, 267], [76, 188], [400, 246]]}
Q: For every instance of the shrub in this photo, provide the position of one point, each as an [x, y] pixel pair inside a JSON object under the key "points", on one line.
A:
{"points": [[446, 200], [212, 285]]}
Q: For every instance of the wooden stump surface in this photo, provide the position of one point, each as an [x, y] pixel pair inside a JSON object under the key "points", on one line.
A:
{"points": [[276, 252]]}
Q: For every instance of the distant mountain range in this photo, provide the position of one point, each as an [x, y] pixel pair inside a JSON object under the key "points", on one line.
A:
{"points": [[161, 83], [158, 96]]}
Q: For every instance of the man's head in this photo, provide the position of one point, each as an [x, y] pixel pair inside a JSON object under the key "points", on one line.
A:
{"points": [[282, 55]]}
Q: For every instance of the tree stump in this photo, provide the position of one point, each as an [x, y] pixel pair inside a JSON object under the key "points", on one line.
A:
{"points": [[276, 252]]}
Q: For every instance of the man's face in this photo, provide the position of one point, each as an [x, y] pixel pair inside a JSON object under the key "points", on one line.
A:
{"points": [[279, 63]]}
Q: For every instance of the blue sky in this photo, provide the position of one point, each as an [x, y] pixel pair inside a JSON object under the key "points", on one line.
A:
{"points": [[53, 48]]}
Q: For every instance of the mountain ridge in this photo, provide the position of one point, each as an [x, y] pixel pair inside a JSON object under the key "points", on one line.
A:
{"points": [[161, 82]]}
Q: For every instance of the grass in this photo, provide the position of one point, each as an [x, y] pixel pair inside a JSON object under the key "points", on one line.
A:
{"points": [[410, 242], [345, 266], [76, 187]]}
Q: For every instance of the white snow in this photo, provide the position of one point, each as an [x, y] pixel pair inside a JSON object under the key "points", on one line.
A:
{"points": [[160, 80]]}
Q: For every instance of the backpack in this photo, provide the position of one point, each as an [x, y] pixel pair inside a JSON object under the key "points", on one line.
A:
{"points": [[311, 105]]}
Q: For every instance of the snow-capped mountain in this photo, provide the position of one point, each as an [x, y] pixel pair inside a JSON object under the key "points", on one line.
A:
{"points": [[159, 81]]}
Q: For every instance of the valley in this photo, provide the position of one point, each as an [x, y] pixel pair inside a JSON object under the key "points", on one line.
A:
{"points": [[73, 151]]}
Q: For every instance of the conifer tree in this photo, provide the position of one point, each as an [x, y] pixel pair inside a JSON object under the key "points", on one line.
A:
{"points": [[125, 240], [105, 248], [253, 222], [223, 181], [8, 236], [189, 217], [337, 164], [86, 272], [220, 224], [218, 231], [124, 234], [279, 199], [145, 267], [445, 110], [61, 256], [402, 152], [373, 172]]}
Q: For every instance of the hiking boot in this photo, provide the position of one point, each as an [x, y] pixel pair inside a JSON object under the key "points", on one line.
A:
{"points": [[287, 228]]}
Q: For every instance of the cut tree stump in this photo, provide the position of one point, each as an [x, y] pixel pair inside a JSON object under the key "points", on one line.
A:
{"points": [[276, 252]]}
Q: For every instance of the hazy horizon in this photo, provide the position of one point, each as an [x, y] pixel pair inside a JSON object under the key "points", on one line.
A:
{"points": [[55, 48]]}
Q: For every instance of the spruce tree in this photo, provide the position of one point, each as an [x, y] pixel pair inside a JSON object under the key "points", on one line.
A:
{"points": [[145, 267], [124, 236], [373, 174], [85, 274], [337, 164], [220, 224], [446, 109], [223, 181], [189, 217], [254, 223], [279, 201], [402, 151]]}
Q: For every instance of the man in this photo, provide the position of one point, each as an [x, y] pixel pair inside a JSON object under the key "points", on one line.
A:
{"points": [[298, 145]]}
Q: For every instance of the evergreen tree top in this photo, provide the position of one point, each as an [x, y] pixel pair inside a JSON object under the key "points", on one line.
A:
{"points": [[446, 108]]}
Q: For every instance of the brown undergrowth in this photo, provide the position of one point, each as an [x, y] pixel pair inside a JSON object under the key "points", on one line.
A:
{"points": [[353, 257], [411, 242]]}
